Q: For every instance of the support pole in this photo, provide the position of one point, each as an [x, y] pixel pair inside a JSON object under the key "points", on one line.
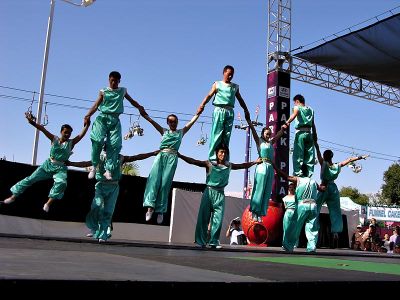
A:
{"points": [[43, 81]]}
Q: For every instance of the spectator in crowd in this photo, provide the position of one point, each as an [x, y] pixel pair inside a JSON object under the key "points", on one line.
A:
{"points": [[370, 240], [377, 228], [394, 240], [385, 244], [235, 233], [356, 239]]}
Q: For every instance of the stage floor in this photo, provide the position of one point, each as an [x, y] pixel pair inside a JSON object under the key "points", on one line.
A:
{"points": [[68, 262]]}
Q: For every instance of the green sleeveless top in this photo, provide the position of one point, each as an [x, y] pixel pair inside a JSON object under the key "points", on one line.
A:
{"points": [[306, 189], [266, 150], [171, 139], [225, 95], [116, 176], [330, 173], [289, 201], [218, 175], [304, 117], [113, 100], [60, 152]]}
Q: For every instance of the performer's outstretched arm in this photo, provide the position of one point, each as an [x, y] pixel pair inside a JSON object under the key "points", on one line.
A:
{"points": [[40, 127], [255, 136], [79, 164], [246, 165], [243, 105], [140, 156], [157, 126], [291, 118], [283, 174], [351, 159], [207, 98], [133, 102], [277, 136], [319, 156], [190, 123], [192, 161], [77, 139], [93, 109]]}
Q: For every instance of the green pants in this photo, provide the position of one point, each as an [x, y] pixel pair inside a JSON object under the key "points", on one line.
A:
{"points": [[261, 193], [46, 171], [221, 129], [212, 204], [98, 220], [159, 182], [289, 229], [331, 197], [303, 153], [307, 213], [106, 126]]}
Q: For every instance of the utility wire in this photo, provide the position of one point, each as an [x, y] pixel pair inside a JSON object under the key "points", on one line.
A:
{"points": [[90, 101], [22, 99], [87, 108]]}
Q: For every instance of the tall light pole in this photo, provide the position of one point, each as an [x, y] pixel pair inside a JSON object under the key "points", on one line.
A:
{"points": [[84, 3]]}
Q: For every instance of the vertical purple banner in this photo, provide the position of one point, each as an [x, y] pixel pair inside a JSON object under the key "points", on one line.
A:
{"points": [[278, 111]]}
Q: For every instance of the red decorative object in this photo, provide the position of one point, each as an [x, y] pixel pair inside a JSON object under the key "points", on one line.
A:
{"points": [[269, 231]]}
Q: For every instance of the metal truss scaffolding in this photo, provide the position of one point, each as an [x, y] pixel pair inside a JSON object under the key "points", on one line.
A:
{"points": [[280, 58], [306, 71], [279, 34]]}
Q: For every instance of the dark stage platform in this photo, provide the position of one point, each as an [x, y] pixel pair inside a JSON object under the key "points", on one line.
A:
{"points": [[29, 261]]}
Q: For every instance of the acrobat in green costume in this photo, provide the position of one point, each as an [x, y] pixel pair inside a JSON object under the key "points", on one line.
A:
{"points": [[263, 178], [289, 222], [107, 125], [303, 150], [331, 196], [98, 220], [212, 204], [306, 196], [52, 167], [223, 116], [162, 172]]}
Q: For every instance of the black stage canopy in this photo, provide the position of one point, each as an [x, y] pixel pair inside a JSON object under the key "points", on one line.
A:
{"points": [[371, 53]]}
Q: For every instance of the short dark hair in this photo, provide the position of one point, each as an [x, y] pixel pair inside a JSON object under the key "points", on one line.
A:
{"points": [[66, 126], [222, 147], [328, 154], [115, 74], [300, 98], [228, 67], [172, 115]]}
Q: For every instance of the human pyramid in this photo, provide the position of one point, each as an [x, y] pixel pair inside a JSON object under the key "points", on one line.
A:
{"points": [[106, 163]]}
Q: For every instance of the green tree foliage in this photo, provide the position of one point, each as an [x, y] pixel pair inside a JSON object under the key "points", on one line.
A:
{"points": [[391, 187], [131, 169], [354, 194]]}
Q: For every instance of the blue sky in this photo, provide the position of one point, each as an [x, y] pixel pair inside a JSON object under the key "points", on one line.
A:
{"points": [[169, 53]]}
